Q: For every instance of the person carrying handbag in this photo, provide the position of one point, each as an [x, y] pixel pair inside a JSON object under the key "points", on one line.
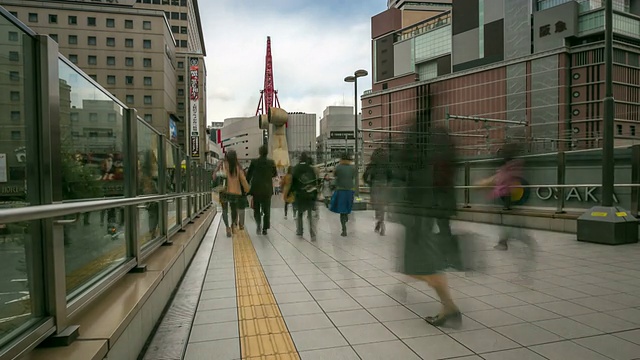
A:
{"points": [[231, 193]]}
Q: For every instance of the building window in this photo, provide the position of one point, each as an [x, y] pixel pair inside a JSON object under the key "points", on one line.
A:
{"points": [[111, 79], [183, 2], [180, 78], [146, 62], [73, 58], [74, 117], [93, 134], [73, 40], [53, 19], [175, 16], [13, 36], [111, 41], [16, 135], [15, 116], [180, 65], [94, 77], [183, 16], [14, 95], [128, 24], [91, 21], [91, 40], [128, 80], [33, 17], [175, 29], [111, 60], [54, 37], [632, 129], [180, 106], [92, 60], [180, 92], [14, 13], [93, 117], [183, 30], [128, 43], [147, 100], [72, 20], [146, 44], [128, 61], [147, 81], [14, 56], [111, 23], [183, 43], [146, 25], [148, 118], [14, 76], [129, 99], [619, 129], [111, 117]]}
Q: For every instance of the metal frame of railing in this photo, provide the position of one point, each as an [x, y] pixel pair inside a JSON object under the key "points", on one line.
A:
{"points": [[53, 306]]}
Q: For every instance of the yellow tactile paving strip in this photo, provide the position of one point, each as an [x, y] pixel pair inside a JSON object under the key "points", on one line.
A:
{"points": [[263, 332]]}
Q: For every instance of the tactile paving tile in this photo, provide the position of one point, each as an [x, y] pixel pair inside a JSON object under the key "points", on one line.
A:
{"points": [[263, 332]]}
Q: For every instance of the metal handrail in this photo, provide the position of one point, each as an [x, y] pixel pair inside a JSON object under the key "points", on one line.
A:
{"points": [[36, 212]]}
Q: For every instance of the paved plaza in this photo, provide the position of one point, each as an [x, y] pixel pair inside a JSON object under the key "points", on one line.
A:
{"points": [[343, 298]]}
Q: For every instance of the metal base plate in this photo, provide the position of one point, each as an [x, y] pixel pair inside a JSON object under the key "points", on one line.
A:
{"points": [[607, 225], [65, 338]]}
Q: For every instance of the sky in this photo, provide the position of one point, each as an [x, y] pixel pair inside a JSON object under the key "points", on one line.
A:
{"points": [[315, 44]]}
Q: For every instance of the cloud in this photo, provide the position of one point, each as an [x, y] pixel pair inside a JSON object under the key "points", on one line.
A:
{"points": [[314, 44]]}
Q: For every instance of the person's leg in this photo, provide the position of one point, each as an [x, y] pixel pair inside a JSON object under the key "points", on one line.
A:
{"points": [[266, 210], [505, 231], [299, 227], [257, 214], [286, 208], [343, 223], [234, 213], [449, 309], [312, 225], [225, 217]]}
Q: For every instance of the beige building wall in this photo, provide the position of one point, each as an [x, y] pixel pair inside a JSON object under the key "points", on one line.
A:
{"points": [[130, 52]]}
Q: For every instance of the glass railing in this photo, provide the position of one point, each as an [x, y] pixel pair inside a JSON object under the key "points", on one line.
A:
{"points": [[87, 189]]}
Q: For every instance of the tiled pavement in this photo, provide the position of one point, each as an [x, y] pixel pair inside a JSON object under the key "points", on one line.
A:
{"points": [[341, 298]]}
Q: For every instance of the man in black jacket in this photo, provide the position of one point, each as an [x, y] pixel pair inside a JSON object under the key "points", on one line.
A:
{"points": [[305, 188], [260, 175]]}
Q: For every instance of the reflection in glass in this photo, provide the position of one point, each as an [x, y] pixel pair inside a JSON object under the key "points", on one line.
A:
{"points": [[148, 222], [93, 247], [183, 206], [171, 159], [172, 217], [17, 310], [147, 160], [91, 137]]}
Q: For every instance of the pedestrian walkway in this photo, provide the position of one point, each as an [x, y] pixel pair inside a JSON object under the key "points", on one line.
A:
{"points": [[283, 297]]}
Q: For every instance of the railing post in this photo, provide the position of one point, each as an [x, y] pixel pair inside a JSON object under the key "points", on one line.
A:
{"points": [[162, 187], [189, 182], [131, 186], [635, 178], [560, 180], [467, 182]]}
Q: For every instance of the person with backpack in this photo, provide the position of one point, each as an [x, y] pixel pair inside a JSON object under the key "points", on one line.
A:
{"points": [[305, 189], [342, 198], [260, 175]]}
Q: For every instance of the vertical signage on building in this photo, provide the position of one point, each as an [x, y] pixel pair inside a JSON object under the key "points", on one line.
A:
{"points": [[3, 167], [194, 107]]}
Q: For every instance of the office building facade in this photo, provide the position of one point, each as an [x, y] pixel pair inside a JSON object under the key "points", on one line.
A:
{"points": [[523, 70], [336, 132], [243, 135], [301, 135]]}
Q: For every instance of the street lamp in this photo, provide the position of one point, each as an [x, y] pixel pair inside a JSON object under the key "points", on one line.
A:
{"points": [[354, 80]]}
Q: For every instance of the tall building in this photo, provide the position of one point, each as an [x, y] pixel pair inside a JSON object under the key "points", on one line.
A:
{"points": [[530, 71], [336, 132], [131, 50], [243, 135], [301, 134]]}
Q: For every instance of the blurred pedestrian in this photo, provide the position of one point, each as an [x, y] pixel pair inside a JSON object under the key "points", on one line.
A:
{"points": [[287, 195], [377, 176], [305, 189], [234, 186], [342, 198], [260, 176]]}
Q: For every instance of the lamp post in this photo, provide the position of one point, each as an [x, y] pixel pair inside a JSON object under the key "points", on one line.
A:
{"points": [[354, 80], [607, 223]]}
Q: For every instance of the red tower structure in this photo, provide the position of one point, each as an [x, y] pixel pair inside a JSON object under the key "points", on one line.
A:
{"points": [[268, 95]]}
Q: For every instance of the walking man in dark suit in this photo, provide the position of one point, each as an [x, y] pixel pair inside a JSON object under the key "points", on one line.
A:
{"points": [[260, 176]]}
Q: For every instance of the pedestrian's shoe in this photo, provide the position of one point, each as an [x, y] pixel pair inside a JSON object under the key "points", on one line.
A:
{"points": [[264, 231], [502, 245], [258, 230], [313, 238], [377, 229], [228, 232], [344, 233], [451, 320], [382, 229]]}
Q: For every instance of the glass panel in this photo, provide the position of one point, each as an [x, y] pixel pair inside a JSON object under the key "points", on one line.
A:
{"points": [[148, 222], [171, 160], [147, 160], [94, 245], [91, 138], [183, 207], [17, 310], [172, 215]]}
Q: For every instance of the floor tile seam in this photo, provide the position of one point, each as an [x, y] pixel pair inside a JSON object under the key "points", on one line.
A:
{"points": [[245, 244]]}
